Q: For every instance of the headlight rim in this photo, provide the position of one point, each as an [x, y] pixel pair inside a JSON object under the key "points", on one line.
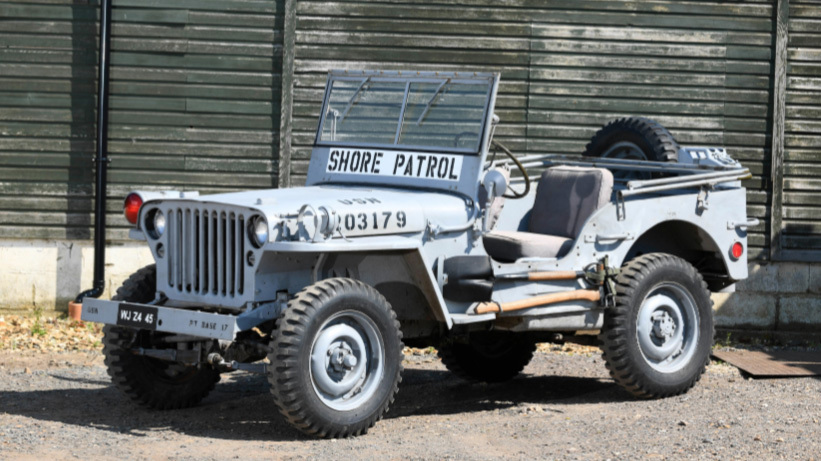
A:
{"points": [[258, 239], [152, 229]]}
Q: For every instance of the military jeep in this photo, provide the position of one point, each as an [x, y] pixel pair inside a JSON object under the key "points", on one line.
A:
{"points": [[416, 225]]}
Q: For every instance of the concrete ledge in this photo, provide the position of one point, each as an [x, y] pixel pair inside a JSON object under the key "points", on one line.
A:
{"points": [[815, 278], [800, 312], [780, 278], [49, 274], [745, 310], [792, 338]]}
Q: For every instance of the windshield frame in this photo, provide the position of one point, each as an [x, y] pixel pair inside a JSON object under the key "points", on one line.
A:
{"points": [[409, 78]]}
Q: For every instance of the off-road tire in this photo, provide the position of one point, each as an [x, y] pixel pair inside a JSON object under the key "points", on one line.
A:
{"points": [[490, 357], [143, 379], [311, 315], [651, 137], [620, 337]]}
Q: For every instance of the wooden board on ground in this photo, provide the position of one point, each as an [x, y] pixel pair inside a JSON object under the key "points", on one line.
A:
{"points": [[771, 364]]}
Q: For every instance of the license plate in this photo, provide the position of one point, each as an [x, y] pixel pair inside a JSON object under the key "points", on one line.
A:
{"points": [[137, 316]]}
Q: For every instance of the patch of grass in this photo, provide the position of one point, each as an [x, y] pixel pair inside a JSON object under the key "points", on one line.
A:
{"points": [[37, 328], [723, 342]]}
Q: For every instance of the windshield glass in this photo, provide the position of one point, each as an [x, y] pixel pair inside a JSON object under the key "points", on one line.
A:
{"points": [[442, 114]]}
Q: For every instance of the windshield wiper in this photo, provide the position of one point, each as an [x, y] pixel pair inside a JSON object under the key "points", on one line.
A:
{"points": [[430, 102], [350, 101]]}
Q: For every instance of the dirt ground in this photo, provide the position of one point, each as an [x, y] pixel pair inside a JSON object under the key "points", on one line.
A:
{"points": [[61, 405]]}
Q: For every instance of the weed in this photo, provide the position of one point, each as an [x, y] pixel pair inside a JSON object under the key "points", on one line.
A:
{"points": [[725, 342], [37, 328]]}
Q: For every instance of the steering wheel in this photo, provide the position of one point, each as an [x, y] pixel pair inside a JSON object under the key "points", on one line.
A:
{"points": [[513, 194], [464, 133]]}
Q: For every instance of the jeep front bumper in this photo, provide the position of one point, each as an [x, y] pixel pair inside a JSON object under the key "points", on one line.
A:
{"points": [[174, 320]]}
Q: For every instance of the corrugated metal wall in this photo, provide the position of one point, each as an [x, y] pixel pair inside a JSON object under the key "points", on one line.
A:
{"points": [[801, 224], [195, 89], [47, 59], [444, 36], [701, 68]]}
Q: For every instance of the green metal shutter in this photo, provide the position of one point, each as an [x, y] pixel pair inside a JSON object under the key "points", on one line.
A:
{"points": [[195, 89], [701, 68], [446, 36], [47, 73], [801, 224]]}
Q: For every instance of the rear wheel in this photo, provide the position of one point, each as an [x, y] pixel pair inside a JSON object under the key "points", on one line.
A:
{"points": [[656, 341], [148, 381], [490, 357]]}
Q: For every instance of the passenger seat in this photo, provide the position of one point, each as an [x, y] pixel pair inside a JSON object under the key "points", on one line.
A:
{"points": [[566, 197]]}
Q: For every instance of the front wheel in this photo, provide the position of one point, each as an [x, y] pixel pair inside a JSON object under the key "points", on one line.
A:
{"points": [[148, 381], [336, 360], [656, 341]]}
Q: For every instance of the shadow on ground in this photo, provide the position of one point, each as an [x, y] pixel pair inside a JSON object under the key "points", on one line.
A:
{"points": [[241, 407]]}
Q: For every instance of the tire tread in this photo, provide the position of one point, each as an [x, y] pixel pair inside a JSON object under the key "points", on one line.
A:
{"points": [[613, 337]]}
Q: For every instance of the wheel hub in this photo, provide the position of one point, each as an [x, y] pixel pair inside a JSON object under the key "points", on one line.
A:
{"points": [[342, 358], [666, 327], [346, 361], [663, 325]]}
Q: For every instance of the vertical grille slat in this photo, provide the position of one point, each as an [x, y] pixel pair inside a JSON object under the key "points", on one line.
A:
{"points": [[229, 254], [240, 238], [202, 245], [172, 244], [220, 254], [178, 250], [206, 251], [212, 253]]}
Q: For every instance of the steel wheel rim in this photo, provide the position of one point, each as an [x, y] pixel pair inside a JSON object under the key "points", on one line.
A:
{"points": [[627, 150], [667, 327], [347, 360]]}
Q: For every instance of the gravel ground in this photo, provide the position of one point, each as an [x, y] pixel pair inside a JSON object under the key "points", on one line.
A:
{"points": [[62, 406]]}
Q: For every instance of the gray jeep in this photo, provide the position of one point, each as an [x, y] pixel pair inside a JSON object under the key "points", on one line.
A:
{"points": [[416, 225]]}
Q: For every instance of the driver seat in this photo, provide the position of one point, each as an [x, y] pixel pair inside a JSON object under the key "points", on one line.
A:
{"points": [[566, 197]]}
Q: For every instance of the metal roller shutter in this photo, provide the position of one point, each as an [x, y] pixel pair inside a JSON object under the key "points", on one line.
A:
{"points": [[195, 89]]}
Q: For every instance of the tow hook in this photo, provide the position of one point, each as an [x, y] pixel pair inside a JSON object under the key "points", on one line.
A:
{"points": [[216, 360]]}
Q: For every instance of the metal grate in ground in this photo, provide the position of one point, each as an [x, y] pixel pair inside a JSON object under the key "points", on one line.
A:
{"points": [[770, 364]]}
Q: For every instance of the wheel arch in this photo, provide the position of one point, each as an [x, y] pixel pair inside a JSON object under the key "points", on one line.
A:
{"points": [[402, 277], [688, 241]]}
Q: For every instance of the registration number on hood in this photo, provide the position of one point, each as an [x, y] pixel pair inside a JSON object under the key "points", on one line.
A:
{"points": [[395, 163]]}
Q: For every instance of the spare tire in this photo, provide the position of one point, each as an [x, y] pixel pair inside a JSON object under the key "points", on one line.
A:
{"points": [[633, 138]]}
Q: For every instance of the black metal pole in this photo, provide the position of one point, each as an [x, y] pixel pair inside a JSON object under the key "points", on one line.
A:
{"points": [[101, 159]]}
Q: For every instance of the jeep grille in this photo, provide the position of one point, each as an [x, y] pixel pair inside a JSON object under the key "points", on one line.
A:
{"points": [[205, 251]]}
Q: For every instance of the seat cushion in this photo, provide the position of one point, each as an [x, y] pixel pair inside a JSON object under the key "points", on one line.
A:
{"points": [[508, 246], [566, 197]]}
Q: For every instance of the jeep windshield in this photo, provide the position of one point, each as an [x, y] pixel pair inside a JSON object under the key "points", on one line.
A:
{"points": [[420, 113]]}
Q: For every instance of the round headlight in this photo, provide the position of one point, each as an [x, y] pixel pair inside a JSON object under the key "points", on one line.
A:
{"points": [[154, 223], [259, 231], [159, 223]]}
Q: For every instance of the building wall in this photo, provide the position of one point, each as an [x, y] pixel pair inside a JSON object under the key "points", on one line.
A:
{"points": [[194, 105], [702, 69], [225, 95]]}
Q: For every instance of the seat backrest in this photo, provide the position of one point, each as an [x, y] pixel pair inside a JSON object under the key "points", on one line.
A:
{"points": [[566, 196]]}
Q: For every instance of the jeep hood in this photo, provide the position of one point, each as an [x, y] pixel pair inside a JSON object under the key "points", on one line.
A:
{"points": [[294, 213]]}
